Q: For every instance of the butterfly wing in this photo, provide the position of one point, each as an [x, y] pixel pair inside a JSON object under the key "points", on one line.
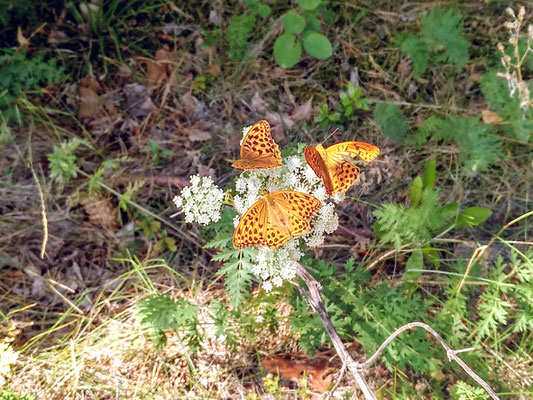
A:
{"points": [[251, 229], [258, 149], [297, 208], [316, 162], [332, 166], [365, 151], [272, 221], [342, 172]]}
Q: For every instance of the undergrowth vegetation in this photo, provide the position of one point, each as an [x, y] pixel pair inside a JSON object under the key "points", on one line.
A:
{"points": [[110, 109]]}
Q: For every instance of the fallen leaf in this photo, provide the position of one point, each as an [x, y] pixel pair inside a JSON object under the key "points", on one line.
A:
{"points": [[303, 112], [194, 106], [90, 101], [101, 212], [490, 117], [258, 104], [317, 369], [23, 42], [138, 100], [56, 36], [200, 131], [158, 69], [404, 68], [90, 11]]}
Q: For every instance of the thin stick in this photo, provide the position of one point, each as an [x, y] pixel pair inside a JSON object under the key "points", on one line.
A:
{"points": [[450, 353], [44, 218], [315, 300]]}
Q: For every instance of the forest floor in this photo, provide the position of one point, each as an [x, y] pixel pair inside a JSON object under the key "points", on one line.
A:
{"points": [[107, 110]]}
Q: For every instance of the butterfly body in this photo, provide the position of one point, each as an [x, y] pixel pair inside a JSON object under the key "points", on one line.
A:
{"points": [[333, 164], [272, 220], [258, 149]]}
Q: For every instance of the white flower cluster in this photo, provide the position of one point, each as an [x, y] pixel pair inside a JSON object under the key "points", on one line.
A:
{"points": [[274, 266], [201, 201], [513, 74]]}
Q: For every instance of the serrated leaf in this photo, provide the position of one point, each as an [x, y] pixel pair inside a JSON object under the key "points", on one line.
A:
{"points": [[415, 194], [473, 216], [293, 23], [287, 50], [430, 174], [415, 48], [391, 122], [317, 46]]}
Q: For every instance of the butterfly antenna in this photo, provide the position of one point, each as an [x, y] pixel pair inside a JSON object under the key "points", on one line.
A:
{"points": [[330, 135]]}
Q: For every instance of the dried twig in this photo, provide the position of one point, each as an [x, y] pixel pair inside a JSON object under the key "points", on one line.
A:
{"points": [[315, 300]]}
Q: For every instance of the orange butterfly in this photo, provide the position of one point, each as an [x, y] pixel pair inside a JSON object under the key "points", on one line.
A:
{"points": [[332, 166], [272, 220], [258, 149]]}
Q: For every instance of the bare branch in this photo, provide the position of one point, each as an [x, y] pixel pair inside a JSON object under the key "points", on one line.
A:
{"points": [[315, 300]]}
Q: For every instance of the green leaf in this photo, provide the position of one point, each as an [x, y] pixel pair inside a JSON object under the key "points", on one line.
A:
{"points": [[432, 255], [415, 48], [416, 192], [391, 122], [478, 146], [473, 216], [430, 174], [415, 261], [309, 4], [442, 32], [264, 10], [287, 51], [293, 23], [239, 28], [318, 46]]}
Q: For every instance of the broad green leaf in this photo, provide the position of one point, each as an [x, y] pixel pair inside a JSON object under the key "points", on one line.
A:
{"points": [[293, 23], [416, 192], [287, 51], [430, 174], [308, 4], [473, 216], [264, 10], [318, 46]]}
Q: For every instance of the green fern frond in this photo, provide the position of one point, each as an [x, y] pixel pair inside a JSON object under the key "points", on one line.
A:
{"points": [[160, 312]]}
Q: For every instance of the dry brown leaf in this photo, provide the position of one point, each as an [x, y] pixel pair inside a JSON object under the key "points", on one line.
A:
{"points": [[317, 369], [90, 101], [490, 117], [258, 104], [200, 131], [303, 112], [158, 69], [101, 212], [404, 67], [138, 100], [23, 42], [56, 36]]}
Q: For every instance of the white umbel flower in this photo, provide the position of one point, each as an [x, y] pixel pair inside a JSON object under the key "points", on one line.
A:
{"points": [[201, 201], [273, 266]]}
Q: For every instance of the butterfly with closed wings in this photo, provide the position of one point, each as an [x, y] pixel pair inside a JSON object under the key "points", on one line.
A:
{"points": [[333, 164]]}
